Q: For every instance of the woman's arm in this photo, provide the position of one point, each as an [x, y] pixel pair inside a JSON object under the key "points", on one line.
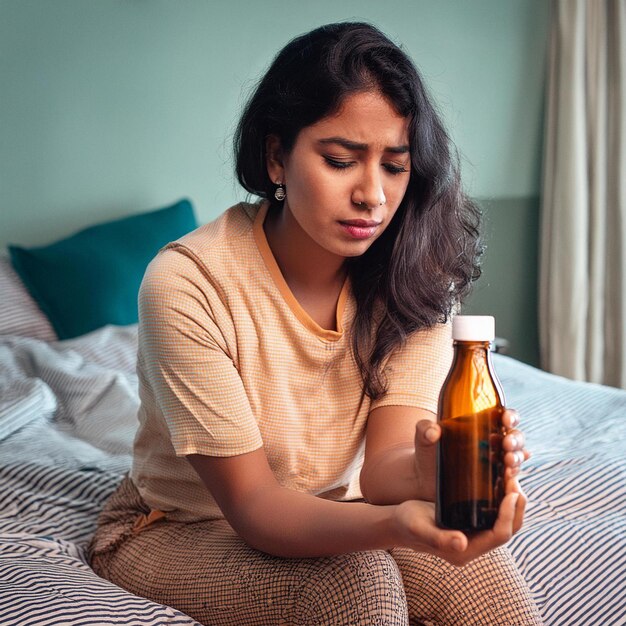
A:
{"points": [[400, 461], [287, 523], [396, 466]]}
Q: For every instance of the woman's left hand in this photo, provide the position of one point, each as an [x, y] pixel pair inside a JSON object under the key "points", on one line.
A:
{"points": [[514, 453]]}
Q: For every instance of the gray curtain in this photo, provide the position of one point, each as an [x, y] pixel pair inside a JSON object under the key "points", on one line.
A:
{"points": [[582, 296]]}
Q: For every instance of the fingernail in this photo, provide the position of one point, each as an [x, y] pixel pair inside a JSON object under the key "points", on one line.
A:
{"points": [[431, 434], [513, 440], [457, 543]]}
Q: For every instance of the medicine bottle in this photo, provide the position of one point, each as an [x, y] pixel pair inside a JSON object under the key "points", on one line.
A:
{"points": [[470, 465]]}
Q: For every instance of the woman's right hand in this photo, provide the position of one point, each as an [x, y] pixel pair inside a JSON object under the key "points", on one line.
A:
{"points": [[414, 522]]}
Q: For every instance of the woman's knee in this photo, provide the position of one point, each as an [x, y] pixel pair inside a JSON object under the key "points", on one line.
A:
{"points": [[489, 590], [356, 588]]}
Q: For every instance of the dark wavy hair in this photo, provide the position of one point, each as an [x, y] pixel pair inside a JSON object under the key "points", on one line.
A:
{"points": [[426, 260]]}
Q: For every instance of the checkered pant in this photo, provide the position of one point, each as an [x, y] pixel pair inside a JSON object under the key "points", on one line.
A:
{"points": [[207, 571]]}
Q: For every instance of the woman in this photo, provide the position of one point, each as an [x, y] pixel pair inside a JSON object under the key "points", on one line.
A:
{"points": [[290, 359]]}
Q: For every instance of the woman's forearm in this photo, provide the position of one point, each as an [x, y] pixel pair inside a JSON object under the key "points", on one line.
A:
{"points": [[391, 478], [288, 523], [284, 522]]}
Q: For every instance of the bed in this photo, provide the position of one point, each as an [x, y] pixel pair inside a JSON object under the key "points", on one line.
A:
{"points": [[67, 420]]}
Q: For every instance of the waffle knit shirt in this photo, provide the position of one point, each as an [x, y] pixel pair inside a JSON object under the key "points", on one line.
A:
{"points": [[229, 362]]}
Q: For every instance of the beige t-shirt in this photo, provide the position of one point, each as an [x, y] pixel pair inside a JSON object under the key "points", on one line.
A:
{"points": [[229, 362]]}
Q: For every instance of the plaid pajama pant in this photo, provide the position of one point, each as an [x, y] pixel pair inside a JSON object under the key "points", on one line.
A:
{"points": [[205, 570]]}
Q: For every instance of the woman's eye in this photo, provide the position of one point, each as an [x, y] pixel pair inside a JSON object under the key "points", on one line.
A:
{"points": [[395, 169], [339, 165]]}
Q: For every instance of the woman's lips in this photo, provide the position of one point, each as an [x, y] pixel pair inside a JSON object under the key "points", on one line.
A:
{"points": [[360, 229]]}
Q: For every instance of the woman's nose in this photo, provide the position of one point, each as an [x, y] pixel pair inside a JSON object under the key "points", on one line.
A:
{"points": [[370, 193]]}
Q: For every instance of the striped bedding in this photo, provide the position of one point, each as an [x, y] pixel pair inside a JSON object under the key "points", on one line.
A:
{"points": [[67, 417]]}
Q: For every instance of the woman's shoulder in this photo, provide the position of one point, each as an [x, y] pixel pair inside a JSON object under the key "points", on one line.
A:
{"points": [[231, 228], [217, 252], [227, 239]]}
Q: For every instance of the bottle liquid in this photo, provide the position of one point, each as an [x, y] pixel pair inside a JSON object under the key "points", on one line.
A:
{"points": [[470, 465]]}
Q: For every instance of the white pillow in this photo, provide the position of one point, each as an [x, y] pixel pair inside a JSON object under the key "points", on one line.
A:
{"points": [[19, 314]]}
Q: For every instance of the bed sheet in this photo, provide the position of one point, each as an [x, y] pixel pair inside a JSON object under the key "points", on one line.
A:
{"points": [[68, 415]]}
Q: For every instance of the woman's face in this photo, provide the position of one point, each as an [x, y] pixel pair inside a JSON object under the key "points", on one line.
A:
{"points": [[345, 176]]}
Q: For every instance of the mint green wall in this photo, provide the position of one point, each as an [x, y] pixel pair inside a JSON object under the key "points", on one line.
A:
{"points": [[508, 286], [114, 106]]}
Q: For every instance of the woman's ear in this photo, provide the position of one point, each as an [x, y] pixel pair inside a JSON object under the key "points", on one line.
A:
{"points": [[274, 159]]}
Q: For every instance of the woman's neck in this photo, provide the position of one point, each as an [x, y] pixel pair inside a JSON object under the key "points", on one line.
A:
{"points": [[303, 263]]}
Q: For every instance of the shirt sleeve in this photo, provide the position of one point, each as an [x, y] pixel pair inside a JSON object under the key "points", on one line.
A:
{"points": [[184, 335], [416, 371]]}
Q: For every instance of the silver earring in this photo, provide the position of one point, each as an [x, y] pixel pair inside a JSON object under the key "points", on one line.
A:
{"points": [[280, 192]]}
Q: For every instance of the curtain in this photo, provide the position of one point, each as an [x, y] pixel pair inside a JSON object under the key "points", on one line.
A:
{"points": [[582, 290]]}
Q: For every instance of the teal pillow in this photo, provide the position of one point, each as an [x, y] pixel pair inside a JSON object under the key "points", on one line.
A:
{"points": [[92, 278]]}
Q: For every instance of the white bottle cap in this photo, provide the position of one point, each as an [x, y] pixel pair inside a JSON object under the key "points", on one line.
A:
{"points": [[473, 328]]}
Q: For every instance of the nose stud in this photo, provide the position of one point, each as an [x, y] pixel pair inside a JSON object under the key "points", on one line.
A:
{"points": [[365, 206]]}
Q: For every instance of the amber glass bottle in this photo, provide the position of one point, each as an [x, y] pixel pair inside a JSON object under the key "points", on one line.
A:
{"points": [[470, 466]]}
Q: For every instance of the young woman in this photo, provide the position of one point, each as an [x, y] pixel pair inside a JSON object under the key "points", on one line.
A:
{"points": [[290, 359]]}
